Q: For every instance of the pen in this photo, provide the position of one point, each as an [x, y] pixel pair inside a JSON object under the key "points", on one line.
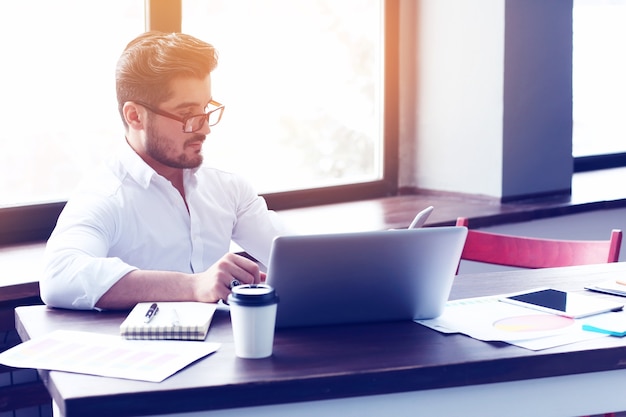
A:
{"points": [[151, 312], [620, 282], [174, 317]]}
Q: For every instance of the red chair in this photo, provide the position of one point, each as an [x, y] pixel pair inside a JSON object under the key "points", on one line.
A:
{"points": [[528, 252]]}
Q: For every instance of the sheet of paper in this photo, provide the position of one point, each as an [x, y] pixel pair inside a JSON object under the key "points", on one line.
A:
{"points": [[609, 287], [488, 319], [106, 355]]}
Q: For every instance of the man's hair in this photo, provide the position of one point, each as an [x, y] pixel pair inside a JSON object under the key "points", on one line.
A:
{"points": [[152, 60]]}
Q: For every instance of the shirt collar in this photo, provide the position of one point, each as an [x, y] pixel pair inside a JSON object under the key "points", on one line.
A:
{"points": [[136, 167]]}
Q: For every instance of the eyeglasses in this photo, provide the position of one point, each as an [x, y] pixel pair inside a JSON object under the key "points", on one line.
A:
{"points": [[194, 122]]}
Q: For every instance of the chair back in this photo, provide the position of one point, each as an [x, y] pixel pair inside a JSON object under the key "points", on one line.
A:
{"points": [[529, 252]]}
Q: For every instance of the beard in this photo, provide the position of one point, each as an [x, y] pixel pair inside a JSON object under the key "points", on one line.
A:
{"points": [[158, 148]]}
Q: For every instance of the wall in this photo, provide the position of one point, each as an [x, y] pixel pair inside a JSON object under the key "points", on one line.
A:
{"points": [[486, 87]]}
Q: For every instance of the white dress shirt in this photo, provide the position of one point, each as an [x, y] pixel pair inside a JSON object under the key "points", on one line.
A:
{"points": [[127, 217]]}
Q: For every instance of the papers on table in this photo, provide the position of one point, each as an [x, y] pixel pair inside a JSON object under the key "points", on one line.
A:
{"points": [[106, 355], [611, 324], [488, 319], [609, 287]]}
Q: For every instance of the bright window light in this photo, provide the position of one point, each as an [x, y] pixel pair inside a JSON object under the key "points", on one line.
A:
{"points": [[59, 112], [302, 85]]}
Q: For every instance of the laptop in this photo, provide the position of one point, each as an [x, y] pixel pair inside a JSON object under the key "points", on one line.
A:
{"points": [[360, 277]]}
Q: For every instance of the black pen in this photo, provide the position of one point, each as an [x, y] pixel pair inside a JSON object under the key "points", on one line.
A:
{"points": [[151, 312]]}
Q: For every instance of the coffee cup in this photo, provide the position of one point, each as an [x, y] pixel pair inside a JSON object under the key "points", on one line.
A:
{"points": [[253, 317]]}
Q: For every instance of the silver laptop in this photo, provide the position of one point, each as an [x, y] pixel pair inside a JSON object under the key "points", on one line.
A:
{"points": [[364, 277]]}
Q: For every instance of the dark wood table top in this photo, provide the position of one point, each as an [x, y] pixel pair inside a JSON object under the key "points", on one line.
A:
{"points": [[332, 361]]}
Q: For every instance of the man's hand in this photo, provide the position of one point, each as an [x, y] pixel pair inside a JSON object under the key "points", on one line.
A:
{"points": [[215, 283]]}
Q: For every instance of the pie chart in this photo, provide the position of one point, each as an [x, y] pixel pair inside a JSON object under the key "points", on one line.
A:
{"points": [[533, 323]]}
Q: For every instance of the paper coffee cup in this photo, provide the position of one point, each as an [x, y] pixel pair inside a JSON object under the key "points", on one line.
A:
{"points": [[253, 317]]}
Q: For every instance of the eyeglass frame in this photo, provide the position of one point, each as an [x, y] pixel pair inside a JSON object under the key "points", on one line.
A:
{"points": [[219, 107]]}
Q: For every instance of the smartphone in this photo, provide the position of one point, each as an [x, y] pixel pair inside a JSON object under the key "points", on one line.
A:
{"points": [[563, 303]]}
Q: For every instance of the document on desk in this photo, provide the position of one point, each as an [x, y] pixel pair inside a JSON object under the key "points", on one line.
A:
{"points": [[488, 319], [106, 355]]}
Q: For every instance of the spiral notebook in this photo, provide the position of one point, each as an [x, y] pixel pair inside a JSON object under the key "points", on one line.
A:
{"points": [[173, 320]]}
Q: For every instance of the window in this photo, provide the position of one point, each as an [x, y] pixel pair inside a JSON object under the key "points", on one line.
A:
{"points": [[599, 84], [302, 85], [58, 89], [305, 128]]}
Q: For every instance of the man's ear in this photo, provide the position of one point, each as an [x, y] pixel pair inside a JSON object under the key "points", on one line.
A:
{"points": [[134, 115]]}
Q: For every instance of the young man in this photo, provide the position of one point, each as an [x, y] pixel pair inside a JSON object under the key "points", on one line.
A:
{"points": [[155, 224]]}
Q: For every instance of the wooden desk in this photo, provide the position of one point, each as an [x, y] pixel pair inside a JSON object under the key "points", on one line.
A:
{"points": [[20, 268], [398, 368]]}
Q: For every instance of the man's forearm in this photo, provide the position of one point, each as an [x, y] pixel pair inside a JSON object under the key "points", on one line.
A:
{"points": [[144, 285]]}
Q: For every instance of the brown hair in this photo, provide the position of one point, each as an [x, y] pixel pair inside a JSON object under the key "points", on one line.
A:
{"points": [[152, 60]]}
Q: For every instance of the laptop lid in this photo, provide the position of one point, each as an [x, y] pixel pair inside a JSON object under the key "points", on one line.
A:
{"points": [[360, 277]]}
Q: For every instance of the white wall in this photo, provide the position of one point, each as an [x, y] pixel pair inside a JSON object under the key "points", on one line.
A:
{"points": [[470, 124], [460, 67]]}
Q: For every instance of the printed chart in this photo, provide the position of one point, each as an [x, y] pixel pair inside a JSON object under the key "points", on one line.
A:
{"points": [[533, 323], [106, 355]]}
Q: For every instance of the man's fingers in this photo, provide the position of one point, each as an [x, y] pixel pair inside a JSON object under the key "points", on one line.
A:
{"points": [[242, 271]]}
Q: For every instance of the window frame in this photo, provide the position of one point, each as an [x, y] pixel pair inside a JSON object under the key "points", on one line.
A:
{"points": [[598, 162], [32, 223]]}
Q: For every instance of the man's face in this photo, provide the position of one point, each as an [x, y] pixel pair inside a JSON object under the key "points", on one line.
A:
{"points": [[165, 142]]}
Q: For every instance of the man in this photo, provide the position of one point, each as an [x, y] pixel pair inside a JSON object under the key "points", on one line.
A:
{"points": [[156, 225]]}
